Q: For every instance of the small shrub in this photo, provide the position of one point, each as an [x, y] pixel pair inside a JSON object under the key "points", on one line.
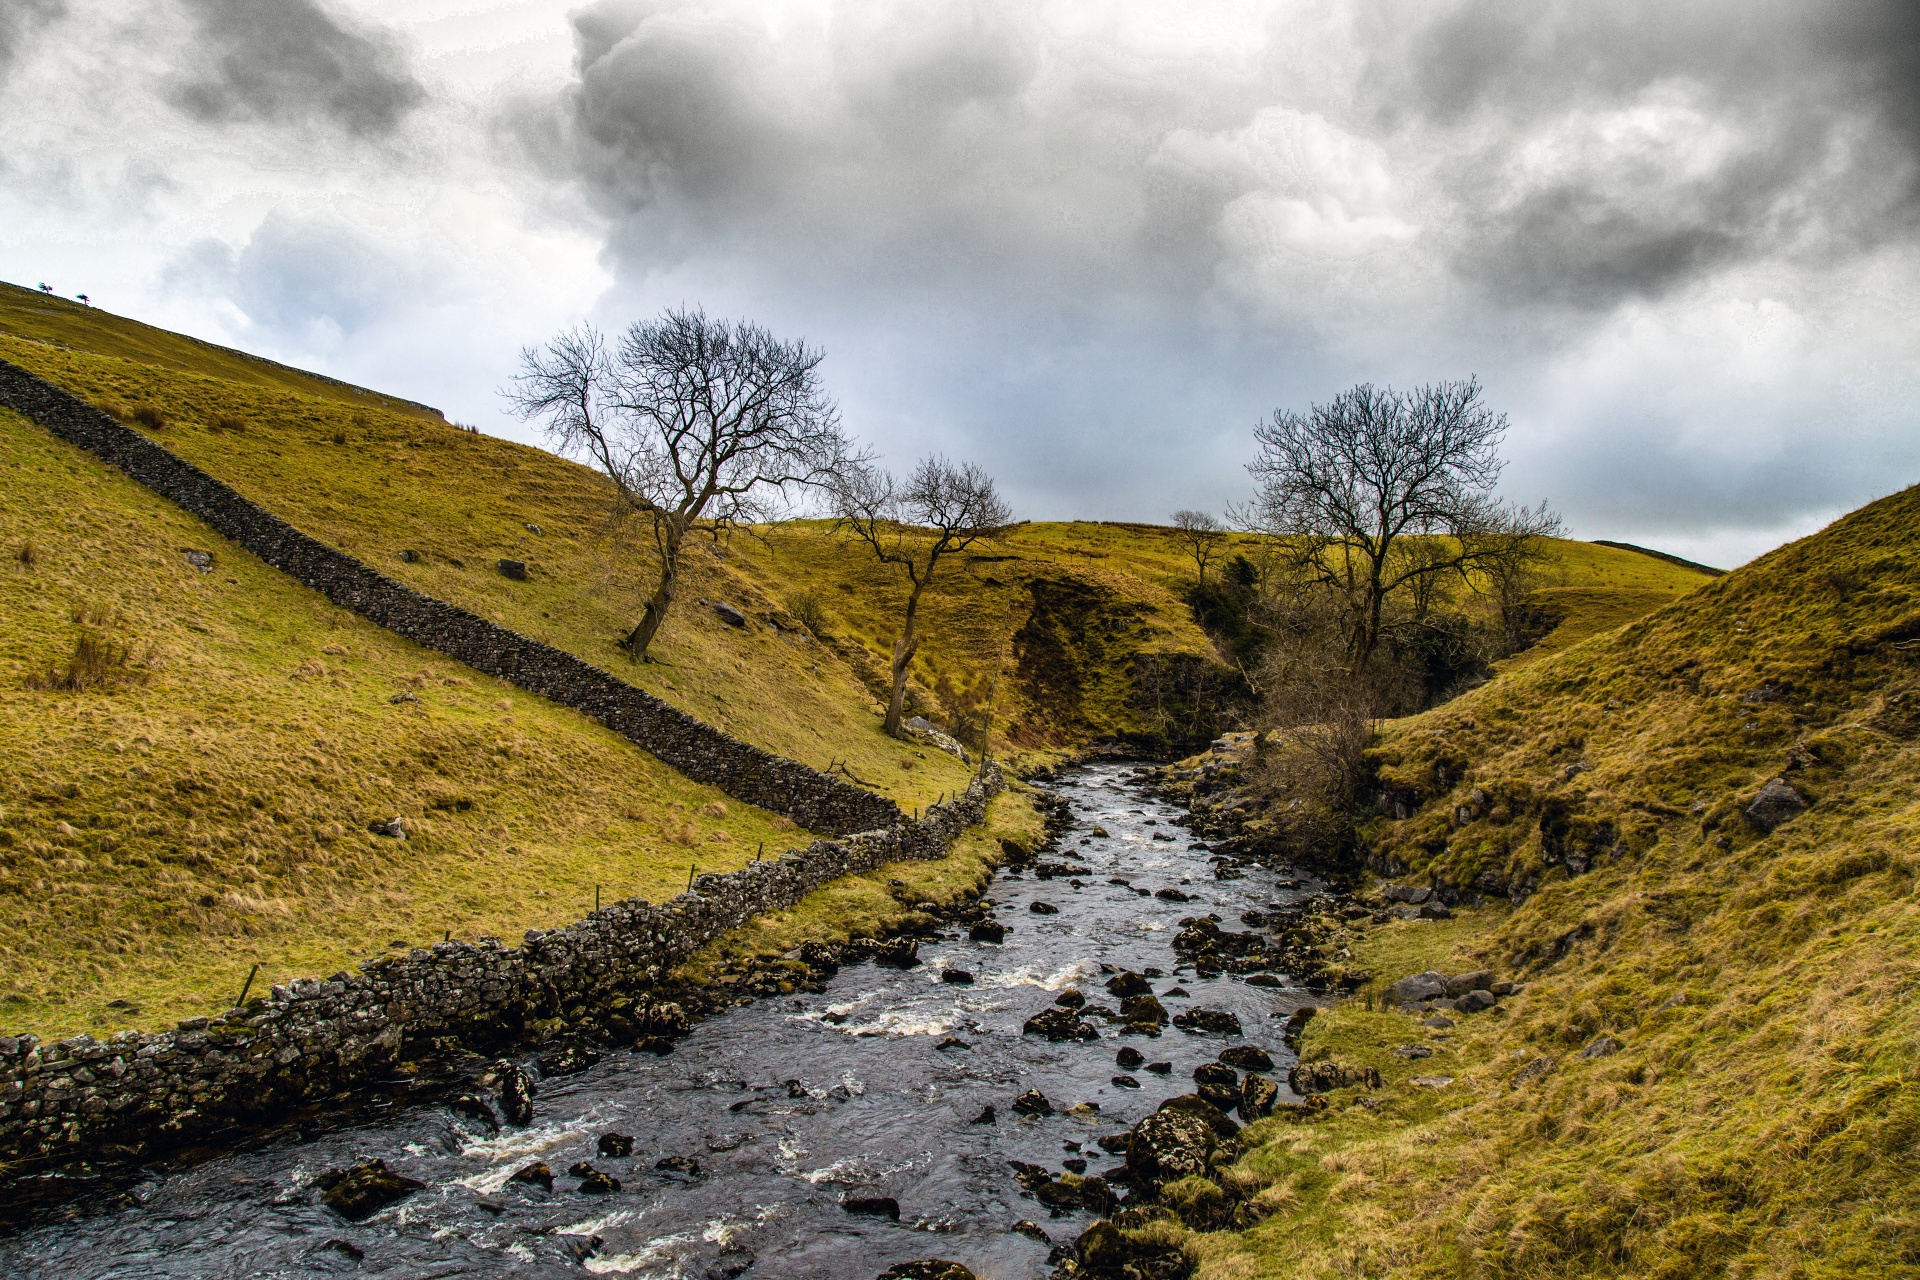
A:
{"points": [[149, 417], [28, 554], [227, 422], [339, 437], [809, 612]]}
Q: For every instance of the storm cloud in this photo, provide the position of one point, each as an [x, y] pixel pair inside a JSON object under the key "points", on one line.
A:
{"points": [[1105, 238], [293, 61]]}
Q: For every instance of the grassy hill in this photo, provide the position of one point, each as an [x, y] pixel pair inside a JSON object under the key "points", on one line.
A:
{"points": [[1761, 1115]]}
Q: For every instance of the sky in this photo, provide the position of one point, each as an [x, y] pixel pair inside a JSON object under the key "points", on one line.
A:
{"points": [[1087, 245]]}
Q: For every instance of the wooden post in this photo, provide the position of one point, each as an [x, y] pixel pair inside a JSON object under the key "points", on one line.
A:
{"points": [[690, 868], [596, 897], [247, 986]]}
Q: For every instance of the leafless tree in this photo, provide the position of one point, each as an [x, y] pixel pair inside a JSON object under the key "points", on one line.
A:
{"points": [[1381, 491], [1203, 535], [941, 509], [698, 423]]}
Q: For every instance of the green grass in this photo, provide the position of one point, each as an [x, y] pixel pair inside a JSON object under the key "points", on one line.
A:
{"points": [[207, 808], [1765, 1124]]}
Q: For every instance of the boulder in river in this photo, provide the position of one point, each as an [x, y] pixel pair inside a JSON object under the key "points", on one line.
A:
{"points": [[567, 1060], [515, 1088], [1257, 1096], [536, 1174], [1129, 1057], [1195, 1105], [616, 1145], [1296, 1023], [1125, 1082], [474, 1107], [898, 953], [1216, 1022], [1043, 908], [1070, 999], [956, 977], [1169, 1145], [1144, 1014], [1032, 1103], [1058, 1024], [1247, 1057], [1128, 984], [595, 1183], [688, 1165], [929, 1269], [359, 1192], [872, 1206], [658, 1046], [987, 931]]}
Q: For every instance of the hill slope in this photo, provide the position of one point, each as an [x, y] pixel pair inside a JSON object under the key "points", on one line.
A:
{"points": [[1757, 1109]]}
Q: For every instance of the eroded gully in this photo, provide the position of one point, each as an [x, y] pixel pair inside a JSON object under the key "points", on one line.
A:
{"points": [[787, 1106]]}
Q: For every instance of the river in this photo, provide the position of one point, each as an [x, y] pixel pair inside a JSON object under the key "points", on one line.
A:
{"points": [[787, 1106]]}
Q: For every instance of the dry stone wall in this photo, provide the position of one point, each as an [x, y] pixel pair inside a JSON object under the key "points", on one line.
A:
{"points": [[703, 753], [138, 1094]]}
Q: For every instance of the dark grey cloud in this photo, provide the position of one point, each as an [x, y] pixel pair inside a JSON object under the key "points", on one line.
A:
{"points": [[1615, 151], [293, 62], [1091, 247], [20, 20]]}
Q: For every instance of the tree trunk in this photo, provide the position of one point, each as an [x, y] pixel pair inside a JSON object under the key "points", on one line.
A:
{"points": [[662, 598], [903, 651]]}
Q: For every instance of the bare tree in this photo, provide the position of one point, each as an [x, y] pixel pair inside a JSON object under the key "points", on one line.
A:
{"points": [[1203, 535], [942, 508], [698, 423], [1381, 491]]}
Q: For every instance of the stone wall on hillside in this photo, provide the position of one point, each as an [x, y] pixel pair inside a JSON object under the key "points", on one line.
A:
{"points": [[698, 750], [138, 1094]]}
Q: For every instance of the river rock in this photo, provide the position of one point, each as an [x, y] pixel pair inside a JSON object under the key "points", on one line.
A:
{"points": [[1195, 1105], [1058, 1024], [1173, 895], [1169, 1145], [1257, 1096], [1144, 1014], [1032, 1103], [1217, 1022], [658, 1046], [359, 1192], [956, 977], [987, 931], [1218, 1084], [1125, 1082], [1247, 1057], [872, 1206], [1128, 984], [515, 1088], [1043, 908], [1129, 1057], [1104, 1250], [688, 1165], [1032, 1230], [536, 1174], [664, 1018], [1070, 999], [595, 1183], [474, 1107], [1777, 803], [898, 953], [987, 1115], [616, 1145], [1296, 1024], [928, 1269], [567, 1060], [1324, 1077], [1160, 1068]]}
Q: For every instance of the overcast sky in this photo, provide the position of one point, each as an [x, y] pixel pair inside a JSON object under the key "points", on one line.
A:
{"points": [[1085, 244]]}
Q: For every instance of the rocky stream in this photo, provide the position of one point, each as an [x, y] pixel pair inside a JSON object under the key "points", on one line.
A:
{"points": [[967, 1096]]}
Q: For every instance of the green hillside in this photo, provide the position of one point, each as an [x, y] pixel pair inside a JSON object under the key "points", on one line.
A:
{"points": [[1760, 1115]]}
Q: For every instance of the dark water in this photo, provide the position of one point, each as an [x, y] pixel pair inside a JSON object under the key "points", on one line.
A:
{"points": [[880, 1111]]}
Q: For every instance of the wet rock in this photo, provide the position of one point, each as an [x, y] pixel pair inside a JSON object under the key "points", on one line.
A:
{"points": [[1125, 1082], [1296, 1024], [1601, 1047], [1103, 1250], [956, 977], [1129, 1057], [1070, 999], [987, 931], [346, 1249], [687, 1165], [1058, 1024], [359, 1192], [1160, 1068], [1144, 1013], [734, 1261], [536, 1174], [1218, 1084], [1074, 1164], [1778, 803], [1032, 1103], [987, 1115], [1032, 1230], [1216, 1022], [1127, 985], [616, 1145], [664, 1018], [1043, 908], [659, 1046], [1179, 993], [1194, 1105], [567, 1060], [515, 1089], [1173, 895], [1114, 1143], [898, 953], [953, 1042], [1323, 1077], [1247, 1057], [595, 1183], [1169, 1145], [474, 1107], [1257, 1096], [872, 1206], [928, 1269]]}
